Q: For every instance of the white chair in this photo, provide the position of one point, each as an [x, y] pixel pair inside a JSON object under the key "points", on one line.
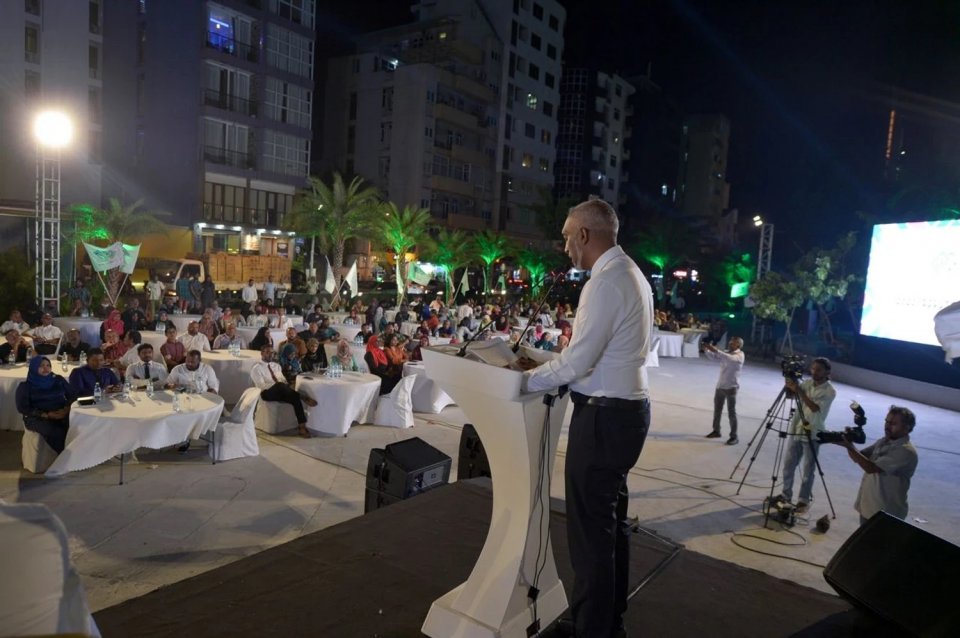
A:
{"points": [[691, 348], [42, 593], [395, 410], [653, 356], [36, 455], [235, 436], [273, 417]]}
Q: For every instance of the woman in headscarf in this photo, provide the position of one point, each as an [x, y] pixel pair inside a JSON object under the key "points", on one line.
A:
{"points": [[379, 365], [345, 356], [44, 400], [290, 362], [163, 321], [262, 338], [112, 322], [316, 357]]}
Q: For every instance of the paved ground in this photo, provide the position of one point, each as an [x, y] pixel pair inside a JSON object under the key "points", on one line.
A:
{"points": [[179, 515]]}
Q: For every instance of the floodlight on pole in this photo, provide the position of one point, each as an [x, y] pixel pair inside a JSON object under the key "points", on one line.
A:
{"points": [[53, 131], [764, 257]]}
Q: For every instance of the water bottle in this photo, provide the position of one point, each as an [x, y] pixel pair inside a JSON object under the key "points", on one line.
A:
{"points": [[97, 393], [12, 357], [83, 358], [149, 388], [29, 352], [63, 363], [176, 402], [126, 390], [337, 369], [197, 386]]}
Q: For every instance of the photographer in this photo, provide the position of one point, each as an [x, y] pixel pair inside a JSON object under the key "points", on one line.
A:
{"points": [[731, 362], [816, 394], [888, 466]]}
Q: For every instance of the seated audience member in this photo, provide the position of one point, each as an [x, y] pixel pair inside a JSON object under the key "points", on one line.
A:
{"points": [[433, 322], [396, 353], [258, 319], [316, 357], [173, 351], [417, 354], [328, 334], [15, 322], [294, 338], [113, 347], [194, 340], [133, 317], [14, 344], [163, 322], [226, 318], [44, 400], [290, 362], [145, 367], [112, 322], [312, 332], [268, 376], [262, 338], [345, 356], [84, 379], [132, 341], [194, 369], [445, 330], [228, 338], [46, 336], [216, 312], [403, 314], [366, 330], [208, 327], [73, 346], [562, 342], [379, 364]]}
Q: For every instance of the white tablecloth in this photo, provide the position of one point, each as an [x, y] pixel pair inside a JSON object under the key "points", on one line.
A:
{"points": [[10, 378], [233, 372], [89, 328], [182, 321], [340, 402], [671, 344], [99, 432], [427, 395]]}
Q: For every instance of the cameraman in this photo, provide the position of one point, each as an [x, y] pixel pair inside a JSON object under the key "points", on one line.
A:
{"points": [[888, 466], [731, 362], [816, 394]]}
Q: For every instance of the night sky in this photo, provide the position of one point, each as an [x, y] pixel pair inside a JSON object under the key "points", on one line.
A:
{"points": [[807, 86]]}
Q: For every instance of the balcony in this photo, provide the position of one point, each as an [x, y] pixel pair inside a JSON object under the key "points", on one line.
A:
{"points": [[227, 102], [217, 155], [230, 46], [455, 116]]}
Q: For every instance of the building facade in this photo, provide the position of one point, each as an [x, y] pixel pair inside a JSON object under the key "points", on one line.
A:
{"points": [[704, 193], [210, 107]]}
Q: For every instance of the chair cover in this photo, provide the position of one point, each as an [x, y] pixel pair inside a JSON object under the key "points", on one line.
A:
{"points": [[41, 594], [36, 455], [273, 417], [691, 348], [396, 409], [235, 436]]}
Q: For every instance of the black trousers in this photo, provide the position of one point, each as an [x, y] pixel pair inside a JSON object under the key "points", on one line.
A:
{"points": [[283, 393], [53, 431], [604, 443]]}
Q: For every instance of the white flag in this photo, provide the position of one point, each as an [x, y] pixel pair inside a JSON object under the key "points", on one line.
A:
{"points": [[465, 282], [352, 278], [330, 284]]}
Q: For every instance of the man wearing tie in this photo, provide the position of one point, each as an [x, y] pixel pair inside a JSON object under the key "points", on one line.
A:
{"points": [[146, 367], [268, 376]]}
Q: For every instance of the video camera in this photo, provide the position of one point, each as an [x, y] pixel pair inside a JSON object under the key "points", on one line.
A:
{"points": [[780, 509], [854, 434], [793, 367]]}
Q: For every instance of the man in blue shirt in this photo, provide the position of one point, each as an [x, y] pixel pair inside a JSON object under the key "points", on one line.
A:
{"points": [[84, 379]]}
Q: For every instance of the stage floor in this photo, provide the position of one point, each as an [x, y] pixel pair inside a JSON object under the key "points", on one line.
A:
{"points": [[376, 575]]}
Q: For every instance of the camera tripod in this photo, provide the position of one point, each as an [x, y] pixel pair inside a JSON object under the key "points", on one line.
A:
{"points": [[780, 414]]}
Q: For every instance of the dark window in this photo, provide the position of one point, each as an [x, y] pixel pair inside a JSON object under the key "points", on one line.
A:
{"points": [[616, 114], [534, 71], [94, 16], [31, 43], [353, 106], [32, 6], [554, 23], [93, 61], [537, 11], [513, 32], [535, 41], [549, 80], [93, 102], [351, 137], [96, 146], [551, 52], [547, 108], [513, 63], [141, 43], [31, 85], [618, 90], [530, 130], [613, 160], [516, 6]]}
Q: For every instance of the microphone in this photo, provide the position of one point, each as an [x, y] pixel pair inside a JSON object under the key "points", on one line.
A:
{"points": [[536, 313], [480, 330]]}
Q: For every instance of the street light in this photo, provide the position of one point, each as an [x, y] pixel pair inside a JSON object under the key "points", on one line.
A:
{"points": [[53, 131], [757, 221]]}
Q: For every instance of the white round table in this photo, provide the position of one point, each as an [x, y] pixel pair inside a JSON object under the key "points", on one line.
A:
{"points": [[340, 402], [427, 395], [89, 328], [233, 372], [671, 343], [10, 378], [116, 426], [182, 321]]}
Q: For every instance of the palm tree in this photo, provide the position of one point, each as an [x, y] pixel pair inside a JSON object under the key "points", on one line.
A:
{"points": [[401, 230], [537, 263], [451, 249], [117, 223], [307, 220], [551, 212], [490, 246], [346, 211]]}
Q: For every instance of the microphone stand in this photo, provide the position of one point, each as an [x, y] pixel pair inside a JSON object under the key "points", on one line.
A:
{"points": [[480, 330], [536, 313]]}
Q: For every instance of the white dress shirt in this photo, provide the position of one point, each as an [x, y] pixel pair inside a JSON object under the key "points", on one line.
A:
{"points": [[21, 327], [198, 341], [249, 294], [257, 321], [731, 363], [129, 358], [180, 376], [464, 311], [154, 290], [261, 377], [611, 335], [47, 333], [138, 370]]}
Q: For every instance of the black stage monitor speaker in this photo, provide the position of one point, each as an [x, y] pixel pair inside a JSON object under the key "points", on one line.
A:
{"points": [[405, 469], [901, 573], [473, 458]]}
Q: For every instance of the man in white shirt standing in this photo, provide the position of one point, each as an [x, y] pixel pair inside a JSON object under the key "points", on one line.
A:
{"points": [[268, 376], [249, 296], [604, 366], [269, 290], [146, 367], [731, 363], [154, 295], [193, 372], [46, 336], [194, 340]]}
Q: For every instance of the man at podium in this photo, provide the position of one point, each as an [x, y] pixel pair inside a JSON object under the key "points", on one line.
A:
{"points": [[603, 365]]}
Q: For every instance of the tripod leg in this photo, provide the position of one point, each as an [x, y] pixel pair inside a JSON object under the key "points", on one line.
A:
{"points": [[823, 480], [767, 420]]}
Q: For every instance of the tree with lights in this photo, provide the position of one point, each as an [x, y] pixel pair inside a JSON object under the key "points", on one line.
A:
{"points": [[452, 250], [402, 230], [537, 263], [490, 247]]}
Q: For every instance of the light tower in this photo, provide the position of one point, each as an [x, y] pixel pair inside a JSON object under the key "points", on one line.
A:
{"points": [[53, 131], [763, 265]]}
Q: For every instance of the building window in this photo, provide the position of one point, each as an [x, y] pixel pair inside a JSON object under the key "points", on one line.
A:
{"points": [[514, 28], [551, 52], [285, 154], [611, 183], [527, 160], [616, 114], [618, 89], [534, 71], [428, 132], [268, 208], [225, 203], [352, 109], [94, 16], [31, 43], [535, 41], [386, 99], [544, 165], [32, 7], [547, 109], [530, 130], [93, 104], [95, 139], [545, 136], [537, 11], [141, 43], [554, 22], [355, 65], [289, 103], [297, 11], [549, 80], [226, 143], [31, 85], [93, 62], [613, 160], [290, 52], [531, 101]]}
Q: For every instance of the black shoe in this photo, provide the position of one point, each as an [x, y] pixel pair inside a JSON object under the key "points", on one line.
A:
{"points": [[713, 435], [183, 448], [733, 440]]}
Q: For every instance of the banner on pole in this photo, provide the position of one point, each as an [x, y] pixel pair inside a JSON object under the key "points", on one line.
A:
{"points": [[351, 279], [329, 284], [116, 255], [465, 282]]}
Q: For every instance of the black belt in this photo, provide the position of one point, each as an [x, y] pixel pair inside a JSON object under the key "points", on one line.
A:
{"points": [[633, 405]]}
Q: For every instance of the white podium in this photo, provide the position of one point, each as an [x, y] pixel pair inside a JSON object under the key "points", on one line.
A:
{"points": [[494, 602]]}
